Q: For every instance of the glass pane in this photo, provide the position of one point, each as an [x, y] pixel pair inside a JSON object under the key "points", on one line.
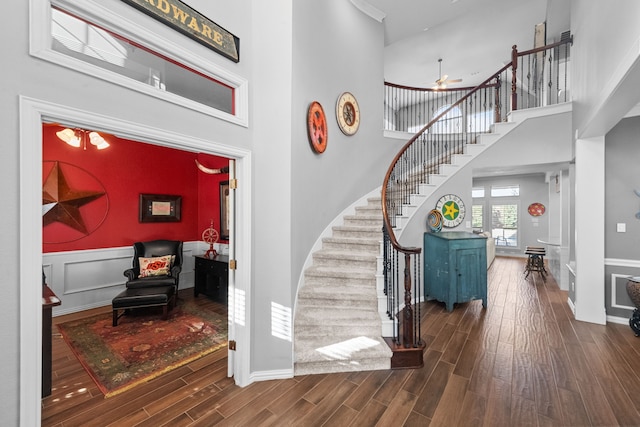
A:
{"points": [[505, 191], [476, 216], [477, 192], [504, 224], [82, 40]]}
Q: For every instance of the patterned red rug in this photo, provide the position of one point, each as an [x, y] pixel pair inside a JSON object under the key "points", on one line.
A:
{"points": [[143, 346]]}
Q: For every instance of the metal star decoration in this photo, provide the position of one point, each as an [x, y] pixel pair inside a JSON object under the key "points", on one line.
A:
{"points": [[61, 203]]}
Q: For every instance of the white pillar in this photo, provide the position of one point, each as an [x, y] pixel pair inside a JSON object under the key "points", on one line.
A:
{"points": [[589, 230]]}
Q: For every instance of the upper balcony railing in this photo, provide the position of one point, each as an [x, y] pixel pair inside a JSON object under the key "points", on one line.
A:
{"points": [[442, 123]]}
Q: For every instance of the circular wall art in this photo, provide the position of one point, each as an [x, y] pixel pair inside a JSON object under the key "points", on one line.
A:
{"points": [[317, 127], [452, 209], [74, 202], [348, 113], [536, 209], [434, 221]]}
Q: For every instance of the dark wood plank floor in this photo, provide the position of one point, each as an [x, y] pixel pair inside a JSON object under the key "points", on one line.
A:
{"points": [[521, 362]]}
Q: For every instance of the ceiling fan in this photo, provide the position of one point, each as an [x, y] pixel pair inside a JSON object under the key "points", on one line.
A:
{"points": [[443, 81]]}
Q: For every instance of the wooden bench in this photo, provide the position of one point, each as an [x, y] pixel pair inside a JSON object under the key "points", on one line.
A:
{"points": [[157, 296]]}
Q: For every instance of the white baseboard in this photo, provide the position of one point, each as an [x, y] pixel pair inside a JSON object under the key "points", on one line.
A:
{"points": [[280, 374]]}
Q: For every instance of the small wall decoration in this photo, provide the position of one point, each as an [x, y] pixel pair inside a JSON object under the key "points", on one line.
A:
{"points": [[348, 113], [434, 221], [536, 209], [160, 208], [452, 209], [71, 197], [317, 127]]}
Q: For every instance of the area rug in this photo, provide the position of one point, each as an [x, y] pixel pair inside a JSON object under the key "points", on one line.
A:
{"points": [[143, 346]]}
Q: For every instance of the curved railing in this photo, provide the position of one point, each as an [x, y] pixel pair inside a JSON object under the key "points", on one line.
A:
{"points": [[535, 78]]}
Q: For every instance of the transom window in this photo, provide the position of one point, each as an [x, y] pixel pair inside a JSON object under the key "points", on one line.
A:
{"points": [[80, 39], [505, 191]]}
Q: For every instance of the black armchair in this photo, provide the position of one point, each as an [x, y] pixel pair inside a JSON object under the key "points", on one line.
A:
{"points": [[158, 274]]}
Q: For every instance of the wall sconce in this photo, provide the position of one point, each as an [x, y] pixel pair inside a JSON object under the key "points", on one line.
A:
{"points": [[77, 137]]}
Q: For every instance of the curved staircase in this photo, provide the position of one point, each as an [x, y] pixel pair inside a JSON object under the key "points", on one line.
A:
{"points": [[337, 324]]}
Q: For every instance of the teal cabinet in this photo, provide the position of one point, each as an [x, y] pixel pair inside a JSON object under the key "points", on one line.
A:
{"points": [[455, 267]]}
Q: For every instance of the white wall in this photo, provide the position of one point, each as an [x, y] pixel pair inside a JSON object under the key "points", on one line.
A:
{"points": [[606, 75]]}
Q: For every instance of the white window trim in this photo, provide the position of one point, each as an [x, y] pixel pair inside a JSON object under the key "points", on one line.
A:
{"points": [[40, 47]]}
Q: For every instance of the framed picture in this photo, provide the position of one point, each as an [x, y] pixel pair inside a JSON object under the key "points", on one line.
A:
{"points": [[160, 208], [224, 210]]}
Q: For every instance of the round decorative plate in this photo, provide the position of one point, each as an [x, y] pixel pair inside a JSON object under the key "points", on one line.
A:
{"points": [[536, 209], [452, 209], [348, 113], [434, 221], [317, 127]]}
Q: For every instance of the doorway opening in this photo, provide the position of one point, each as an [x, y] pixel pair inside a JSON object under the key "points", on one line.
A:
{"points": [[33, 113]]}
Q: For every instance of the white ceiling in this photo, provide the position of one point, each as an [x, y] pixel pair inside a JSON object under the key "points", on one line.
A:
{"points": [[473, 37]]}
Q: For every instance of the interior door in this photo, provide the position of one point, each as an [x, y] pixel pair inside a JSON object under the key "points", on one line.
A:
{"points": [[231, 299]]}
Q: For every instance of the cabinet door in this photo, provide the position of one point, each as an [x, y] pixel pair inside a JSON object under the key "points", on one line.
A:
{"points": [[468, 276]]}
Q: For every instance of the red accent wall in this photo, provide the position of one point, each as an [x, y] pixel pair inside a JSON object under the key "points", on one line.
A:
{"points": [[124, 171]]}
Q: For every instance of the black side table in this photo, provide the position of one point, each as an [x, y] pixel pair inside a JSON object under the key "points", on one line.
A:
{"points": [[212, 277]]}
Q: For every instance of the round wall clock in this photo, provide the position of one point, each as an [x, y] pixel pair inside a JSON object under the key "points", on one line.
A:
{"points": [[452, 209], [317, 127], [348, 113]]}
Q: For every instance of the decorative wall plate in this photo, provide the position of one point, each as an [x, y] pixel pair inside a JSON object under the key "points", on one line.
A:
{"points": [[434, 221], [348, 113], [536, 209], [452, 209], [317, 127]]}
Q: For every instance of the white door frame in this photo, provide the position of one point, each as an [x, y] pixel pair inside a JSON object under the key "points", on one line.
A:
{"points": [[33, 113]]}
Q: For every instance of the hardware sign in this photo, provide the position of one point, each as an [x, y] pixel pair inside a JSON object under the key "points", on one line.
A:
{"points": [[191, 23]]}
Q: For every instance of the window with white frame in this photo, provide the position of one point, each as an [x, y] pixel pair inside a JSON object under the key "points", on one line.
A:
{"points": [[504, 224], [505, 191], [82, 40], [89, 37], [477, 216]]}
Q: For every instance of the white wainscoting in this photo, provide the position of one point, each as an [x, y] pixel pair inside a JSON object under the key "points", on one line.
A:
{"points": [[91, 278]]}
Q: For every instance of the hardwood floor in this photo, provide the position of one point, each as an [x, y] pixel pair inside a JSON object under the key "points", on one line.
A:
{"points": [[523, 361]]}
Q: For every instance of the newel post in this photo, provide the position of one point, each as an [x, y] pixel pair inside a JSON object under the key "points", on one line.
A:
{"points": [[514, 69], [407, 311]]}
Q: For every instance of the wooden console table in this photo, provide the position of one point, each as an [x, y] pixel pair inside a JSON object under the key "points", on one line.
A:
{"points": [[212, 277], [49, 300]]}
